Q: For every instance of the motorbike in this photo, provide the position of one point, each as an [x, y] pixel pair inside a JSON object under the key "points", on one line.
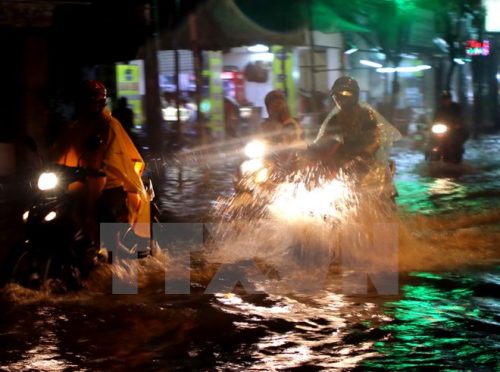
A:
{"points": [[374, 178], [55, 251], [442, 145], [262, 168], [305, 180]]}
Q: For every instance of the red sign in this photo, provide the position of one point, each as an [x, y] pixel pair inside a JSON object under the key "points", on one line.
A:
{"points": [[477, 48]]}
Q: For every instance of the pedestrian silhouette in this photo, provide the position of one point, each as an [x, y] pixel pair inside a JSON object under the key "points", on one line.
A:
{"points": [[124, 115]]}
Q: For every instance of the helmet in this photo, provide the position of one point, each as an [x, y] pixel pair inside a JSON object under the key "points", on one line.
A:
{"points": [[345, 91], [347, 86], [92, 91]]}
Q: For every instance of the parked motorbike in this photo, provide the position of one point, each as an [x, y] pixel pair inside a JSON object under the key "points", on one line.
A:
{"points": [[443, 145], [55, 250]]}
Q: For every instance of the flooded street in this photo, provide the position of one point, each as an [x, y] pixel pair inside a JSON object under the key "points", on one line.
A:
{"points": [[444, 315]]}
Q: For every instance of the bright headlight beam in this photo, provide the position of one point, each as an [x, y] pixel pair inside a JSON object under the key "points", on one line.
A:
{"points": [[439, 128], [251, 166], [47, 181], [262, 175], [255, 149], [50, 216]]}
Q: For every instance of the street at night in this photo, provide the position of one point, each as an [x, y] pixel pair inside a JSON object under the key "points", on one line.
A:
{"points": [[211, 195], [445, 316]]}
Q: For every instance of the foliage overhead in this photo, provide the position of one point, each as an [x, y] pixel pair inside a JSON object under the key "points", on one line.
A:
{"points": [[284, 16]]}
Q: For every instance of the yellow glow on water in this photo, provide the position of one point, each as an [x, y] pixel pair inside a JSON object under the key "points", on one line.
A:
{"points": [[445, 186]]}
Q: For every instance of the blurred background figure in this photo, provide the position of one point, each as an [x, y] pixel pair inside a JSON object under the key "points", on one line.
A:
{"points": [[125, 115], [450, 114], [231, 117]]}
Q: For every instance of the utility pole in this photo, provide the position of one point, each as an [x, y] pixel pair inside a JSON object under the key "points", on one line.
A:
{"points": [[154, 117], [198, 67], [312, 61], [178, 139]]}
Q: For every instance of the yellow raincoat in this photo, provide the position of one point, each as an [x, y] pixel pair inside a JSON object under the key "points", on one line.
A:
{"points": [[124, 166], [121, 162]]}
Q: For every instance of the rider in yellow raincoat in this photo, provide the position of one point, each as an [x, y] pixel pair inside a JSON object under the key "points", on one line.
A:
{"points": [[97, 140]]}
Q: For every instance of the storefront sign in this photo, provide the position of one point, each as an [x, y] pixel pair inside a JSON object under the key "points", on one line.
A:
{"points": [[477, 48], [128, 85], [127, 80], [215, 89], [283, 77]]}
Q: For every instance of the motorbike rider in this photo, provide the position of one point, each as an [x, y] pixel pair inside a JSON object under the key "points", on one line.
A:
{"points": [[97, 140], [356, 138], [280, 127], [349, 133], [449, 113]]}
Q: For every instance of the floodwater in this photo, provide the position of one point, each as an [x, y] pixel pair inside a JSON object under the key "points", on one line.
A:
{"points": [[443, 313]]}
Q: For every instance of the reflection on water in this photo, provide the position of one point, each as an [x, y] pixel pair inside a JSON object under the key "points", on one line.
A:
{"points": [[473, 185], [445, 321], [446, 314], [440, 320]]}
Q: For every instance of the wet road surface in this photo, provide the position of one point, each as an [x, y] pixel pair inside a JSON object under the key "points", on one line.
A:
{"points": [[444, 315]]}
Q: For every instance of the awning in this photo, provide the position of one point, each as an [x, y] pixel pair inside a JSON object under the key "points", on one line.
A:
{"points": [[221, 24]]}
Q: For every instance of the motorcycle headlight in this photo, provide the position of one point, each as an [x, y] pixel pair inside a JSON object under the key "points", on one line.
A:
{"points": [[47, 181], [251, 166], [439, 128], [50, 216], [255, 149], [26, 215], [262, 175], [245, 112]]}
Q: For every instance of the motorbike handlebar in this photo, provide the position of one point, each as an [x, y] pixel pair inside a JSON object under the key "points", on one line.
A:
{"points": [[92, 172], [78, 172]]}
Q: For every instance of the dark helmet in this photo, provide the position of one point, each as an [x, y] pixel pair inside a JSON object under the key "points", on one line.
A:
{"points": [[345, 85], [345, 91], [92, 91]]}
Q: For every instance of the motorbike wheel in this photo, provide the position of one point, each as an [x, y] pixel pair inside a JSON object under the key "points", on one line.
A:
{"points": [[66, 278], [39, 273], [30, 271]]}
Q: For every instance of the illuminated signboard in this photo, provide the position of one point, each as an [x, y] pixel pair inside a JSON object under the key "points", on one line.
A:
{"points": [[477, 48]]}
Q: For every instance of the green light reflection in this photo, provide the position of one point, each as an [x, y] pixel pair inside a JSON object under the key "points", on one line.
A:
{"points": [[436, 326]]}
